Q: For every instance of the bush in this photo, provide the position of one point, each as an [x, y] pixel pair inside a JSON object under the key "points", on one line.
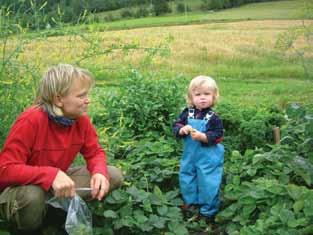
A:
{"points": [[161, 7], [250, 127], [270, 192], [136, 120], [181, 7], [145, 105], [141, 12], [127, 13], [110, 17]]}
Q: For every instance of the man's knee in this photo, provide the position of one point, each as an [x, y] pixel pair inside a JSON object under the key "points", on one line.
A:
{"points": [[30, 207], [116, 177]]}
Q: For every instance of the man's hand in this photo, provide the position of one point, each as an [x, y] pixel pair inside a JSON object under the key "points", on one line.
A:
{"points": [[100, 186], [63, 185]]}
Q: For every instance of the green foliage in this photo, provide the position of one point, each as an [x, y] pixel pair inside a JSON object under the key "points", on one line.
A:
{"points": [[16, 79], [287, 41], [142, 11], [40, 14], [265, 206], [300, 138], [135, 211], [131, 113], [270, 192], [126, 13], [161, 7], [250, 127], [258, 184], [267, 10], [221, 4], [181, 7]]}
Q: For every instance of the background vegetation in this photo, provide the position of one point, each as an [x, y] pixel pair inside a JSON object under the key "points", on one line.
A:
{"points": [[42, 14], [263, 66]]}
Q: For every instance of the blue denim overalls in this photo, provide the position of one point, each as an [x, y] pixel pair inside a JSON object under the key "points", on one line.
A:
{"points": [[201, 169]]}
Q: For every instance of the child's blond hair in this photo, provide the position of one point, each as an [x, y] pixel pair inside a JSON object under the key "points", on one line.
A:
{"points": [[202, 81], [57, 82]]}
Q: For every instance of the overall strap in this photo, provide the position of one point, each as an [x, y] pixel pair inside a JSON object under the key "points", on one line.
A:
{"points": [[208, 116], [191, 113]]}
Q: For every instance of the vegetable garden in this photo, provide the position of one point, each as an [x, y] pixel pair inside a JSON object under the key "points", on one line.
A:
{"points": [[267, 188]]}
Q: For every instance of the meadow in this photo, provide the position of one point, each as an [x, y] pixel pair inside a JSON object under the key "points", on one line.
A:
{"points": [[254, 11], [243, 56]]}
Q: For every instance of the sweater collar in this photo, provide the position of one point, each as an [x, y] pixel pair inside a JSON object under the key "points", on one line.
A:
{"points": [[202, 110], [61, 120]]}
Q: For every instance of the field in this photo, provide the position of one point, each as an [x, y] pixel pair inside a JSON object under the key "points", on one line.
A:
{"points": [[264, 10], [241, 55], [261, 56]]}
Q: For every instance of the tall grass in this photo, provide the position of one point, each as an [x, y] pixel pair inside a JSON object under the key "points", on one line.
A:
{"points": [[17, 79]]}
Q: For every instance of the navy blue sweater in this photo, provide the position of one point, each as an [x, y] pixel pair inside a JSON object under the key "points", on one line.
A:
{"points": [[214, 128]]}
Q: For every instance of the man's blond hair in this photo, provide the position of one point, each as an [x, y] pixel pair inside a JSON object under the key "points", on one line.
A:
{"points": [[57, 82]]}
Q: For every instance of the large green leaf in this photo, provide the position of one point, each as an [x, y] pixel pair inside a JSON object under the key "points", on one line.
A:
{"points": [[294, 223], [156, 221], [177, 228], [295, 111], [286, 215], [110, 214], [309, 126], [308, 204]]}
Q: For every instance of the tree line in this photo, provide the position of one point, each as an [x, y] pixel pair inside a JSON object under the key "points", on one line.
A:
{"points": [[223, 4]]}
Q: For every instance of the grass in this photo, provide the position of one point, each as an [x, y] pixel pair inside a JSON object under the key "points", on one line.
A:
{"points": [[277, 10], [241, 55], [255, 11], [278, 92]]}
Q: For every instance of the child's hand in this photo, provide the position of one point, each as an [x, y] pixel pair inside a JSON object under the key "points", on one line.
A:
{"points": [[199, 136], [185, 130]]}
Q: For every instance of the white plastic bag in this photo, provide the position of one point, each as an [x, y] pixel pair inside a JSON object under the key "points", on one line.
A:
{"points": [[78, 219]]}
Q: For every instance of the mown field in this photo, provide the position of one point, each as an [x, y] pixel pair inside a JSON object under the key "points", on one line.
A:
{"points": [[264, 10], [261, 65], [243, 56]]}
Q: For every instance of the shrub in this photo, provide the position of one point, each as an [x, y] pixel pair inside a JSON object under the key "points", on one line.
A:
{"points": [[126, 13], [141, 12], [181, 7]]}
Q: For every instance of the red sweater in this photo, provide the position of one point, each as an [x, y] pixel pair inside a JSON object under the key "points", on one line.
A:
{"points": [[36, 148]]}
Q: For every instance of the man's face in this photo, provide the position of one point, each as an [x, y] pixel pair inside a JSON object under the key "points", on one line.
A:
{"points": [[76, 102]]}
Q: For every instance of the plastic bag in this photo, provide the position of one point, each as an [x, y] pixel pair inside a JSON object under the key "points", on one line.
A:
{"points": [[78, 219]]}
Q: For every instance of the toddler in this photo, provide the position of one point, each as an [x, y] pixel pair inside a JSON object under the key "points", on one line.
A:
{"points": [[201, 166]]}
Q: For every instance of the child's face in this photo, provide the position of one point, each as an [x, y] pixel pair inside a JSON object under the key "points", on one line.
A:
{"points": [[203, 97], [76, 102]]}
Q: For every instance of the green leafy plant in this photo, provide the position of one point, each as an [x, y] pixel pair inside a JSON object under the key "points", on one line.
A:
{"points": [[270, 191]]}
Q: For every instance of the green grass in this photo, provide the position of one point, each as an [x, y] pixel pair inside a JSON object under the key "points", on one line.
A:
{"points": [[254, 73], [267, 92], [263, 10], [255, 11]]}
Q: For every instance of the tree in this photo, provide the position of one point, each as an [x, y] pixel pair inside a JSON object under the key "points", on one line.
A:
{"points": [[161, 7], [216, 4]]}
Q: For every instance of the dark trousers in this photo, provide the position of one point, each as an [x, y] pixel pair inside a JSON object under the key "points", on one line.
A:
{"points": [[25, 208]]}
